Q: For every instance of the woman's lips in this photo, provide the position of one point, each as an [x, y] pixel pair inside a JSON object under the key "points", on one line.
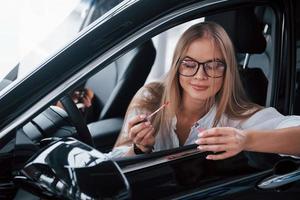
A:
{"points": [[199, 87]]}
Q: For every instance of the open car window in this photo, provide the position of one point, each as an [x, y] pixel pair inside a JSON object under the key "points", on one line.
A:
{"points": [[102, 60], [256, 62], [109, 98], [111, 75]]}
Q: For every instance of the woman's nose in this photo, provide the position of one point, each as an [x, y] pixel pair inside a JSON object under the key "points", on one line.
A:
{"points": [[201, 74]]}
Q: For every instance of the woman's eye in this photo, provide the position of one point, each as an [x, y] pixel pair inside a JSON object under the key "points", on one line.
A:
{"points": [[189, 64], [211, 65]]}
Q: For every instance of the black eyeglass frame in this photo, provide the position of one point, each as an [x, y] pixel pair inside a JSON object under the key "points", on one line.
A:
{"points": [[179, 61]]}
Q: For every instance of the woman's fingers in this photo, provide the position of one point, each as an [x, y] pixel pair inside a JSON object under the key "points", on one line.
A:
{"points": [[135, 124], [141, 135], [141, 132], [135, 120], [214, 140], [216, 132], [229, 141], [136, 129], [214, 148], [224, 150], [146, 140], [149, 138], [220, 156]]}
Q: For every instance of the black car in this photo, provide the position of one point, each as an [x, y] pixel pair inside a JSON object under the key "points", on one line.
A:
{"points": [[51, 153]]}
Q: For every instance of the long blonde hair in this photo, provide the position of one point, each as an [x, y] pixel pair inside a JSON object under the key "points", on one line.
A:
{"points": [[230, 99]]}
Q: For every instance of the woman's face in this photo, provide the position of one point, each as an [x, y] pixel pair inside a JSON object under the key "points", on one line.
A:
{"points": [[200, 87]]}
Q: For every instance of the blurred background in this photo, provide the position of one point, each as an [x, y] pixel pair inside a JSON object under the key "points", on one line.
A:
{"points": [[36, 26]]}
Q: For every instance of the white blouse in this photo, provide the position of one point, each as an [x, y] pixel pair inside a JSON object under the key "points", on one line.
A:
{"points": [[265, 119], [166, 138]]}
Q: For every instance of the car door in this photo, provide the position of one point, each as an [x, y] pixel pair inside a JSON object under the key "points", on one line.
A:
{"points": [[253, 177], [116, 33]]}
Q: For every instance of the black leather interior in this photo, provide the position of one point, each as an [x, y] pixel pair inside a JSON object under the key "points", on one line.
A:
{"points": [[255, 84], [105, 133], [114, 87], [244, 29], [129, 81], [246, 32]]}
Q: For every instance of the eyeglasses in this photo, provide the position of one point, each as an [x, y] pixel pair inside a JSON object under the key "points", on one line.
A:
{"points": [[212, 68]]}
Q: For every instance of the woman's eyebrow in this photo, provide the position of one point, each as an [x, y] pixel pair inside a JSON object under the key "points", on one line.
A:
{"points": [[189, 58], [219, 59], [214, 59]]}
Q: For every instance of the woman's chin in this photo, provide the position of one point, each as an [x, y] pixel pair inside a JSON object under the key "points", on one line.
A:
{"points": [[200, 97]]}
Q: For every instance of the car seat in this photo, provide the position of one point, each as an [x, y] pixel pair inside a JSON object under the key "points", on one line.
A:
{"points": [[246, 30], [115, 85], [246, 33]]}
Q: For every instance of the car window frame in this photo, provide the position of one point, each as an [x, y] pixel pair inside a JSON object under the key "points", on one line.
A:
{"points": [[172, 19]]}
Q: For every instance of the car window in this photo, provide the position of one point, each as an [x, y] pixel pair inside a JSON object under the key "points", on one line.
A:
{"points": [[114, 75], [108, 84], [39, 30], [256, 64]]}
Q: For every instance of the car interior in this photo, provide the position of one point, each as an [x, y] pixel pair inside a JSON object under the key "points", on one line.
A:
{"points": [[253, 32], [248, 41], [115, 85]]}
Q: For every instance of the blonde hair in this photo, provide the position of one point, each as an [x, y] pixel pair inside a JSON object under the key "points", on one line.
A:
{"points": [[230, 99]]}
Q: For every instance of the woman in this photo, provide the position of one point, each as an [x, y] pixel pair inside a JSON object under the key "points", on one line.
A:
{"points": [[206, 99]]}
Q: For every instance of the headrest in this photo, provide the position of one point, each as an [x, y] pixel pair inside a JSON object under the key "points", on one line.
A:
{"points": [[244, 29]]}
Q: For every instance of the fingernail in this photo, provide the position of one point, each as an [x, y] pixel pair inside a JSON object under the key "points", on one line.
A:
{"points": [[200, 134], [201, 129], [208, 157], [147, 123], [199, 147], [142, 116], [196, 141]]}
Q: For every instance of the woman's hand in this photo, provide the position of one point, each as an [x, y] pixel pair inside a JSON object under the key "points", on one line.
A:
{"points": [[84, 97], [228, 141], [141, 133]]}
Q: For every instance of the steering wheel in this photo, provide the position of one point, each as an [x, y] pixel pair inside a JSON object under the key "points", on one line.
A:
{"points": [[77, 120]]}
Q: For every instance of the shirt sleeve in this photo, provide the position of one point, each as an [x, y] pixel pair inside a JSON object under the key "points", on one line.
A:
{"points": [[289, 121], [270, 119]]}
